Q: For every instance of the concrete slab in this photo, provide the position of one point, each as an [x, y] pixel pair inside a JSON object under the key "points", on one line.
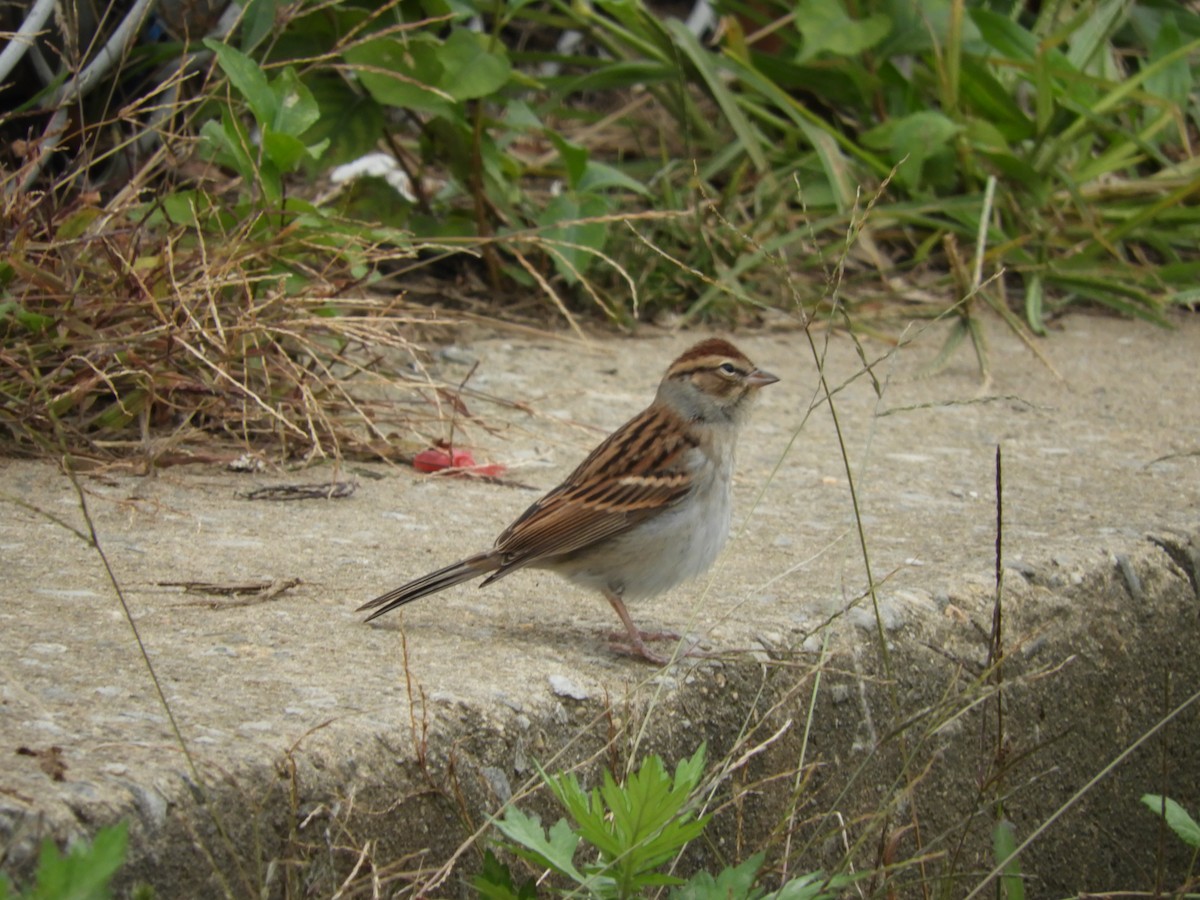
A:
{"points": [[328, 754]]}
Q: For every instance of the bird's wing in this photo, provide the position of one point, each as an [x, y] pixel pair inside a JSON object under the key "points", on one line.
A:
{"points": [[639, 471]]}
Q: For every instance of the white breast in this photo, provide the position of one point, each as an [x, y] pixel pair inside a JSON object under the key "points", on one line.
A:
{"points": [[679, 543]]}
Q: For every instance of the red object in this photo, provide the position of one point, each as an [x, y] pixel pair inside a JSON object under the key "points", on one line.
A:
{"points": [[435, 460]]}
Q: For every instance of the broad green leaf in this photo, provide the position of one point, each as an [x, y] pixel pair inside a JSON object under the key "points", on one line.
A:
{"points": [[283, 150], [914, 28], [30, 321], [1176, 817], [571, 241], [228, 144], [574, 157], [403, 74], [584, 808], [689, 771], [987, 98], [247, 78], [555, 851], [598, 176], [827, 28], [85, 871], [187, 207], [296, 109], [913, 139], [77, 223], [257, 22], [472, 65], [494, 882], [520, 116], [731, 883], [350, 119]]}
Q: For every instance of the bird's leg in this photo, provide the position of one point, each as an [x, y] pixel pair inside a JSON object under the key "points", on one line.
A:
{"points": [[637, 638]]}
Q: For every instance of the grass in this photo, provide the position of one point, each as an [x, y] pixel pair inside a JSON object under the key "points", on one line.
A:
{"points": [[661, 176]]}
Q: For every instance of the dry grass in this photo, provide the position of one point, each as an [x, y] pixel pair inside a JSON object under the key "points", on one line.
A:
{"points": [[140, 338]]}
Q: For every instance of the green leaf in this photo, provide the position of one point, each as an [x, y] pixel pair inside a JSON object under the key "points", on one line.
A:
{"points": [[689, 771], [519, 116], [570, 241], [86, 870], [587, 811], [1004, 35], [403, 74], [827, 29], [573, 156], [1174, 80], [30, 321], [557, 852], [257, 22], [193, 209], [617, 75], [296, 109], [1088, 48], [731, 883], [76, 223], [814, 886], [471, 65], [349, 119], [1004, 848], [247, 78], [1035, 296], [706, 64], [987, 98], [229, 145], [918, 137], [597, 176], [1176, 817], [283, 150], [495, 882]]}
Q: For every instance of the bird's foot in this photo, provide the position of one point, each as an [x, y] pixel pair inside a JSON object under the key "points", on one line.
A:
{"points": [[618, 636], [634, 644]]}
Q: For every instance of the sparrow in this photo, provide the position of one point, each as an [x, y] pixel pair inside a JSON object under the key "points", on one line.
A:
{"points": [[649, 508]]}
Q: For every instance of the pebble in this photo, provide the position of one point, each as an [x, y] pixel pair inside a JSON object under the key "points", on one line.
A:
{"points": [[565, 687], [864, 616], [498, 782]]}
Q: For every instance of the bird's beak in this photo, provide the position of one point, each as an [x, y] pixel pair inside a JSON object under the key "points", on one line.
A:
{"points": [[759, 378]]}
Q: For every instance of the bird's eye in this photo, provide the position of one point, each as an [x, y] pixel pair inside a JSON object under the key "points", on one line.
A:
{"points": [[727, 368]]}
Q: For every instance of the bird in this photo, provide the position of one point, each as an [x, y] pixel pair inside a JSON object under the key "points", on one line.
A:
{"points": [[649, 508]]}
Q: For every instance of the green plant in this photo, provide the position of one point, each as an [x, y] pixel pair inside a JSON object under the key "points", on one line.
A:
{"points": [[284, 109], [627, 833], [1078, 112], [1176, 817], [1004, 846], [83, 873], [1186, 829]]}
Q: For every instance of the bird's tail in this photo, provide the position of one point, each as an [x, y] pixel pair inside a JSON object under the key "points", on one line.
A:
{"points": [[461, 571]]}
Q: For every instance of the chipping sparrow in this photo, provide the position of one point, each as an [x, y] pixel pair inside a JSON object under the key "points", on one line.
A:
{"points": [[647, 509]]}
